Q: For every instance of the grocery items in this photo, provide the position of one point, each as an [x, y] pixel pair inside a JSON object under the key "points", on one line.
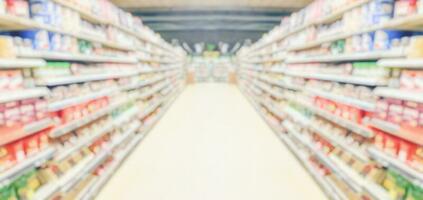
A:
{"points": [[72, 87], [356, 70]]}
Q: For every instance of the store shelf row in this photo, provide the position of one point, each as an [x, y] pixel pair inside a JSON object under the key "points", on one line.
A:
{"points": [[397, 93], [13, 63], [349, 57], [7, 176], [20, 94], [15, 133], [62, 56], [393, 163], [330, 189], [91, 17], [396, 130], [78, 172], [408, 63], [358, 80], [91, 190], [359, 129], [64, 80], [331, 17], [11, 22], [363, 105]]}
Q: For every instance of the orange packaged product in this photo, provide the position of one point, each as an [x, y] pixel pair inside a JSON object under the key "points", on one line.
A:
{"points": [[7, 158], [392, 145], [43, 139], [18, 151], [406, 151], [417, 158], [379, 139], [30, 145]]}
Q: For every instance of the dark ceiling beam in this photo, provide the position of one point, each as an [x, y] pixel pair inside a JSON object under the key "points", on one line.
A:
{"points": [[229, 18], [212, 27], [199, 10]]}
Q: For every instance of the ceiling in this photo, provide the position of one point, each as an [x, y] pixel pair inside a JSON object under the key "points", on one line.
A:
{"points": [[195, 21], [275, 4]]}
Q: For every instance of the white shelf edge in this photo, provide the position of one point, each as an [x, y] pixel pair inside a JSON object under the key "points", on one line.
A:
{"points": [[21, 94]]}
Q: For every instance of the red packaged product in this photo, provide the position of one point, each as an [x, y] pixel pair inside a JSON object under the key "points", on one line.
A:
{"points": [[392, 145], [379, 139], [18, 150], [406, 151], [43, 139], [31, 144], [17, 7], [7, 157]]}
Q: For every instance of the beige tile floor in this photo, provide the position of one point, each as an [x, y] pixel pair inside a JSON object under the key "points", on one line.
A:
{"points": [[211, 145]]}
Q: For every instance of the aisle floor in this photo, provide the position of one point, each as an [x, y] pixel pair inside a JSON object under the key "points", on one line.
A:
{"points": [[211, 145]]}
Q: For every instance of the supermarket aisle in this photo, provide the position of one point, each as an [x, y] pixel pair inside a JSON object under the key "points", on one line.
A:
{"points": [[211, 145]]}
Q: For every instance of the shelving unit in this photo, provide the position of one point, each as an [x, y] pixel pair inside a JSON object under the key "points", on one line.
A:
{"points": [[82, 110], [341, 106]]}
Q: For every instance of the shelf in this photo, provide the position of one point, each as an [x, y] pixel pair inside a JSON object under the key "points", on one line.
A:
{"points": [[148, 110], [71, 79], [391, 162], [408, 63], [22, 94], [10, 22], [128, 132], [329, 189], [346, 57], [368, 81], [395, 93], [413, 136], [46, 191], [33, 161], [350, 125], [343, 99], [70, 126], [99, 183], [13, 63], [126, 116], [48, 55], [152, 91], [84, 142], [375, 190], [281, 84], [85, 14], [340, 142], [409, 22], [59, 105], [325, 159], [11, 134], [259, 61], [339, 13]]}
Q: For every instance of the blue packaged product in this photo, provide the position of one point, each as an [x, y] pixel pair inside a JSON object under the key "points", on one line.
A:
{"points": [[42, 11], [55, 40], [383, 38], [39, 38], [382, 10]]}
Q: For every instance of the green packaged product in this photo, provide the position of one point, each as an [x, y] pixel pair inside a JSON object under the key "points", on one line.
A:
{"points": [[26, 185], [59, 64], [396, 185], [8, 193], [415, 193], [85, 47]]}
